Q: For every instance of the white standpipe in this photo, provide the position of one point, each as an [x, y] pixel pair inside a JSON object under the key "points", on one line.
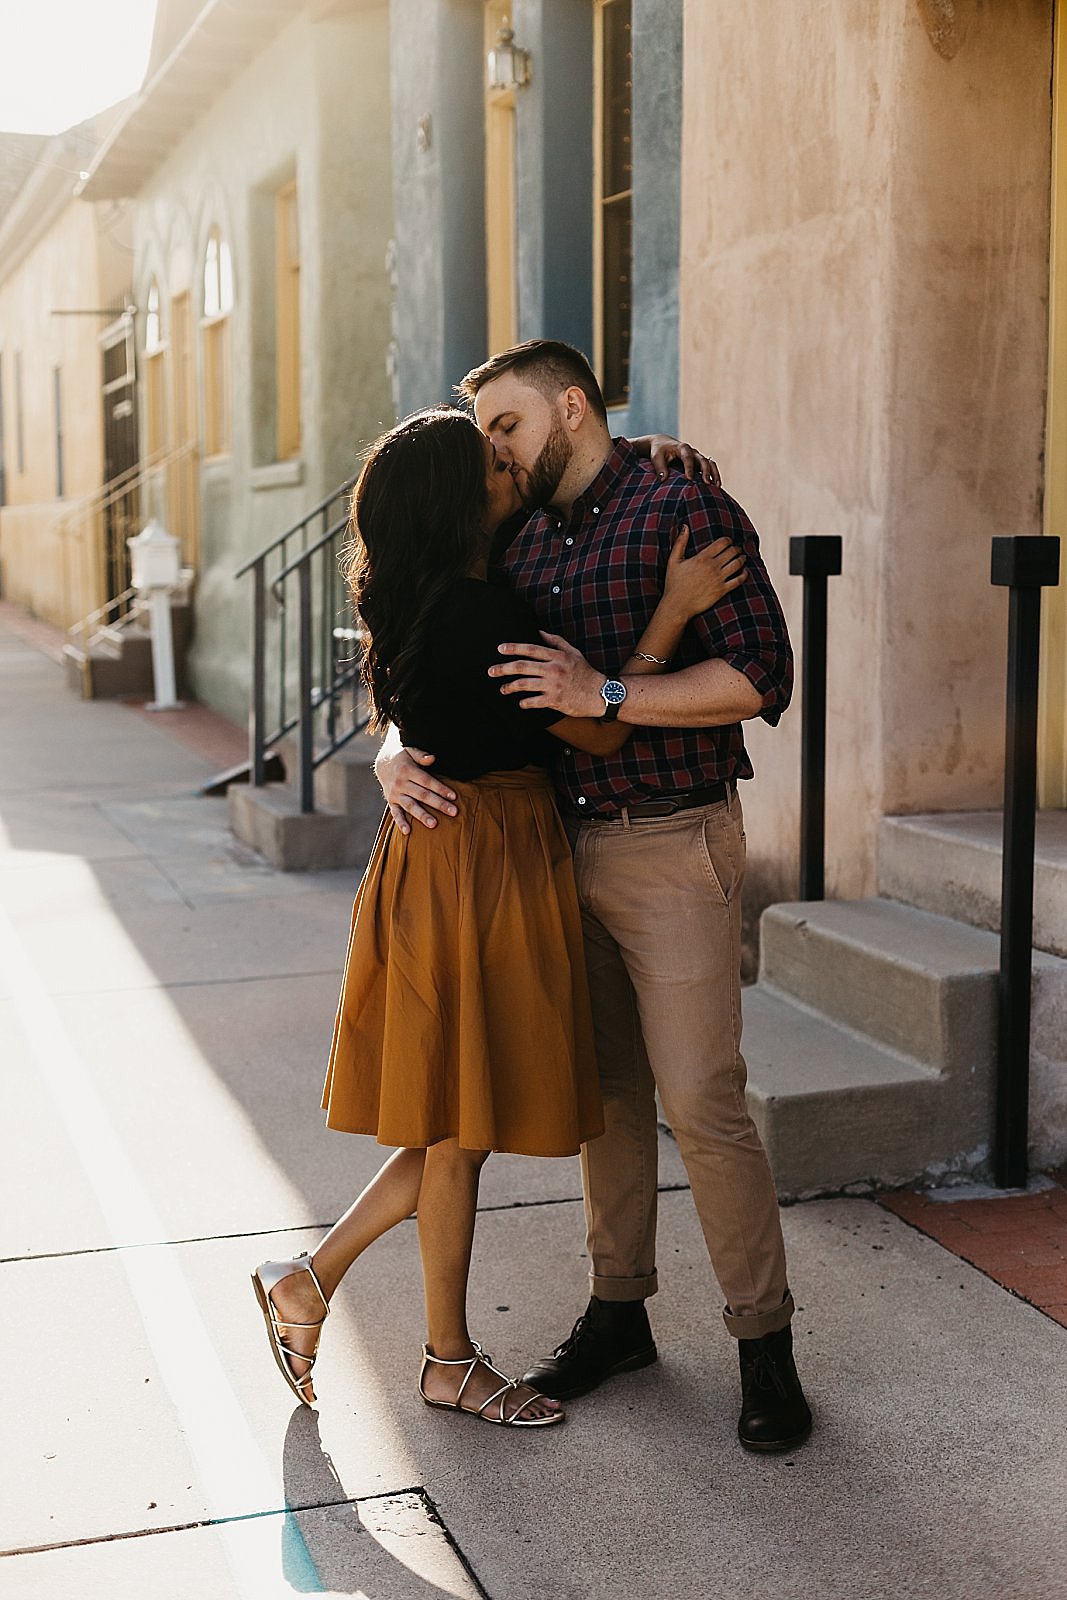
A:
{"points": [[156, 562], [162, 653]]}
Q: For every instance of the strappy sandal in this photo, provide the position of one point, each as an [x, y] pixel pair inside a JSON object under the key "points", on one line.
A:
{"points": [[265, 1278], [509, 1386]]}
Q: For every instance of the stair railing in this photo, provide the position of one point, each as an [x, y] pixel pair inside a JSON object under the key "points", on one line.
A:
{"points": [[306, 645], [94, 529]]}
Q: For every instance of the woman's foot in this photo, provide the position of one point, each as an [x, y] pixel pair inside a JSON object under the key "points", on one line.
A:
{"points": [[295, 1308], [486, 1391]]}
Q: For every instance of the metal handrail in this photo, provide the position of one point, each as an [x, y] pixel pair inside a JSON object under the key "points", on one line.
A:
{"points": [[328, 711], [312, 549], [316, 511]]}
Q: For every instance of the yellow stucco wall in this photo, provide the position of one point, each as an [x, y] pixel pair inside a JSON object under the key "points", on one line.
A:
{"points": [[863, 345], [42, 567]]}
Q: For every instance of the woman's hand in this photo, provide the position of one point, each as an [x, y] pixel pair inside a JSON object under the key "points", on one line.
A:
{"points": [[554, 676], [663, 450], [409, 790], [695, 585]]}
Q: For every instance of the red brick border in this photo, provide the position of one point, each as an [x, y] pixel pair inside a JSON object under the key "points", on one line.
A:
{"points": [[1020, 1241]]}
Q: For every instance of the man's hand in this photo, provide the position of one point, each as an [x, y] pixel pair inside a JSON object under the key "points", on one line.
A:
{"points": [[553, 675], [409, 790]]}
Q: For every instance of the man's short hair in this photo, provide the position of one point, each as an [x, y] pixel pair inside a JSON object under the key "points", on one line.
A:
{"points": [[547, 365]]}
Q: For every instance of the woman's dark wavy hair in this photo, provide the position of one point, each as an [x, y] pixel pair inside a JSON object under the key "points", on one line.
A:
{"points": [[418, 523]]}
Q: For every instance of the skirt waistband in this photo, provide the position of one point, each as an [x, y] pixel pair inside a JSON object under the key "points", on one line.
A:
{"points": [[534, 778]]}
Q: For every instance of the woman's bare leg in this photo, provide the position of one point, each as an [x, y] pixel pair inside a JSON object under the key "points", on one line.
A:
{"points": [[448, 1202], [390, 1197]]}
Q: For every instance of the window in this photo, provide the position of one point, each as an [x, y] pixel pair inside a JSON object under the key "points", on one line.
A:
{"points": [[57, 394], [155, 375], [287, 321], [215, 335], [613, 198]]}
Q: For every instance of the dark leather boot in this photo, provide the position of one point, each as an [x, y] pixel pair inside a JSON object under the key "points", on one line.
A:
{"points": [[612, 1336], [774, 1412]]}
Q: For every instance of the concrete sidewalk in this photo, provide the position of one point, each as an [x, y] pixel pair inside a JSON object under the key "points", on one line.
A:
{"points": [[165, 1009]]}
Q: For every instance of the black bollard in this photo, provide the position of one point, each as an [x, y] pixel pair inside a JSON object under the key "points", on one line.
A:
{"points": [[814, 557], [1024, 566]]}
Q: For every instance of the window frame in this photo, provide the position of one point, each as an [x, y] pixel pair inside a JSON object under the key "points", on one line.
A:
{"points": [[215, 347], [621, 203]]}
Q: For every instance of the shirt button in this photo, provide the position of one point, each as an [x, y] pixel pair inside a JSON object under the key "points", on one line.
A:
{"points": [[581, 799], [567, 751], [555, 588], [596, 511], [568, 541]]}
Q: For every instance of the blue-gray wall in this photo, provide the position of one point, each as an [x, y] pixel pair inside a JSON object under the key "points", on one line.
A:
{"points": [[437, 70], [554, 172], [437, 73], [657, 135]]}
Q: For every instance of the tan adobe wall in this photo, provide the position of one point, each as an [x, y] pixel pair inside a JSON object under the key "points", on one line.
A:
{"points": [[863, 347]]}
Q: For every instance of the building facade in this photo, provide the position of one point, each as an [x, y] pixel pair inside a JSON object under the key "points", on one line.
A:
{"points": [[256, 162], [64, 278]]}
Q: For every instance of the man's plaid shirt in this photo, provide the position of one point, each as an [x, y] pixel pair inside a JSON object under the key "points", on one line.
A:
{"points": [[597, 580]]}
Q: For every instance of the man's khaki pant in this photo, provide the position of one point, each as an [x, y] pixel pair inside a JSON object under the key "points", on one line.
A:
{"points": [[661, 902]]}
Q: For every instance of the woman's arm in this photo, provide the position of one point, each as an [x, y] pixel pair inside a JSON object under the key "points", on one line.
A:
{"points": [[689, 588]]}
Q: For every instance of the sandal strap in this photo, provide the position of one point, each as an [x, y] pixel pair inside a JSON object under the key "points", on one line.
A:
{"points": [[303, 1261], [480, 1359]]}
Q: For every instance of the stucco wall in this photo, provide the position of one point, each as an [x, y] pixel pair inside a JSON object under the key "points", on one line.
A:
{"points": [[70, 268], [438, 69], [312, 106], [863, 329]]}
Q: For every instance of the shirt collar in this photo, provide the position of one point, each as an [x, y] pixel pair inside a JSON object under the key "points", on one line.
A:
{"points": [[621, 460]]}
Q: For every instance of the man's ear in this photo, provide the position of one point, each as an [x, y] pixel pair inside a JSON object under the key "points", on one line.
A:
{"points": [[574, 407]]}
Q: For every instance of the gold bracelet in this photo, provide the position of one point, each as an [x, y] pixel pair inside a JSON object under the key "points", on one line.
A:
{"points": [[641, 655]]}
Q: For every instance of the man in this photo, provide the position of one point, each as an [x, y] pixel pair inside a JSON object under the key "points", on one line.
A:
{"points": [[659, 856]]}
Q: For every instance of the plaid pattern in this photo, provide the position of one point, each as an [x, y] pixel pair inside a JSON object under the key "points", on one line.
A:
{"points": [[597, 580]]}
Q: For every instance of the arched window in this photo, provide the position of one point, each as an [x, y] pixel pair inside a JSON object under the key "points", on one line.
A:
{"points": [[155, 374], [215, 331], [218, 276]]}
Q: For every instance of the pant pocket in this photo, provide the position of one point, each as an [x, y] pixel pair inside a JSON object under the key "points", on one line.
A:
{"points": [[722, 848]]}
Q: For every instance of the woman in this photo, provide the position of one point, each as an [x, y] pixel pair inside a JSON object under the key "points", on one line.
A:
{"points": [[463, 1024]]}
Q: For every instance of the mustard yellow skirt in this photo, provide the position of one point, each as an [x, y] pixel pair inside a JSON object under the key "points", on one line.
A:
{"points": [[464, 1011]]}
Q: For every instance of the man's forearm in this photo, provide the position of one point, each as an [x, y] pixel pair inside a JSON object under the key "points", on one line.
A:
{"points": [[708, 695]]}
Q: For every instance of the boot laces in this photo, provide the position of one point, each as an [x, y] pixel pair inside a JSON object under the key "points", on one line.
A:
{"points": [[766, 1374], [574, 1339]]}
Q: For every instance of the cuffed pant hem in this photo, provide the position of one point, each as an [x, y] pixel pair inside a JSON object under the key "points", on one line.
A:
{"points": [[754, 1327], [623, 1288]]}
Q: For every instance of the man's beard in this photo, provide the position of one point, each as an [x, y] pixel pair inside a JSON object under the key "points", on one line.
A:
{"points": [[544, 477]]}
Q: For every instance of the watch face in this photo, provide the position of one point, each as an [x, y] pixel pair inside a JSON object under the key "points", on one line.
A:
{"points": [[613, 692]]}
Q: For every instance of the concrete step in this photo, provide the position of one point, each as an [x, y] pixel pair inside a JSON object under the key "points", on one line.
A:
{"points": [[338, 833], [345, 782], [950, 863], [871, 1045], [919, 984], [836, 1110]]}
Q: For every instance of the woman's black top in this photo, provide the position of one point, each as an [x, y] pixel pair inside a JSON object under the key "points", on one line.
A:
{"points": [[456, 710]]}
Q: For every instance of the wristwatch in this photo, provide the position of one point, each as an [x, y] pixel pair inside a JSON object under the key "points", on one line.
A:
{"points": [[613, 693]]}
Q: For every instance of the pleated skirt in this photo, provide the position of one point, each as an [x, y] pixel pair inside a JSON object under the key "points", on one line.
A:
{"points": [[464, 1011]]}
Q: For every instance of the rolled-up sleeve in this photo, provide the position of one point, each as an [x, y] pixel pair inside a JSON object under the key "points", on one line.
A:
{"points": [[747, 629]]}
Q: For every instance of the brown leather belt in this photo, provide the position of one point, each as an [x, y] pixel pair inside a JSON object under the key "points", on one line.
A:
{"points": [[710, 795]]}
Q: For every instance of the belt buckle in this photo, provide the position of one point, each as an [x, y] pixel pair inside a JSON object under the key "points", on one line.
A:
{"points": [[654, 808]]}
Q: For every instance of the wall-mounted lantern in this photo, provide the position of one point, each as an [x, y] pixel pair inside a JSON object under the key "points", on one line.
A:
{"points": [[508, 67]]}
